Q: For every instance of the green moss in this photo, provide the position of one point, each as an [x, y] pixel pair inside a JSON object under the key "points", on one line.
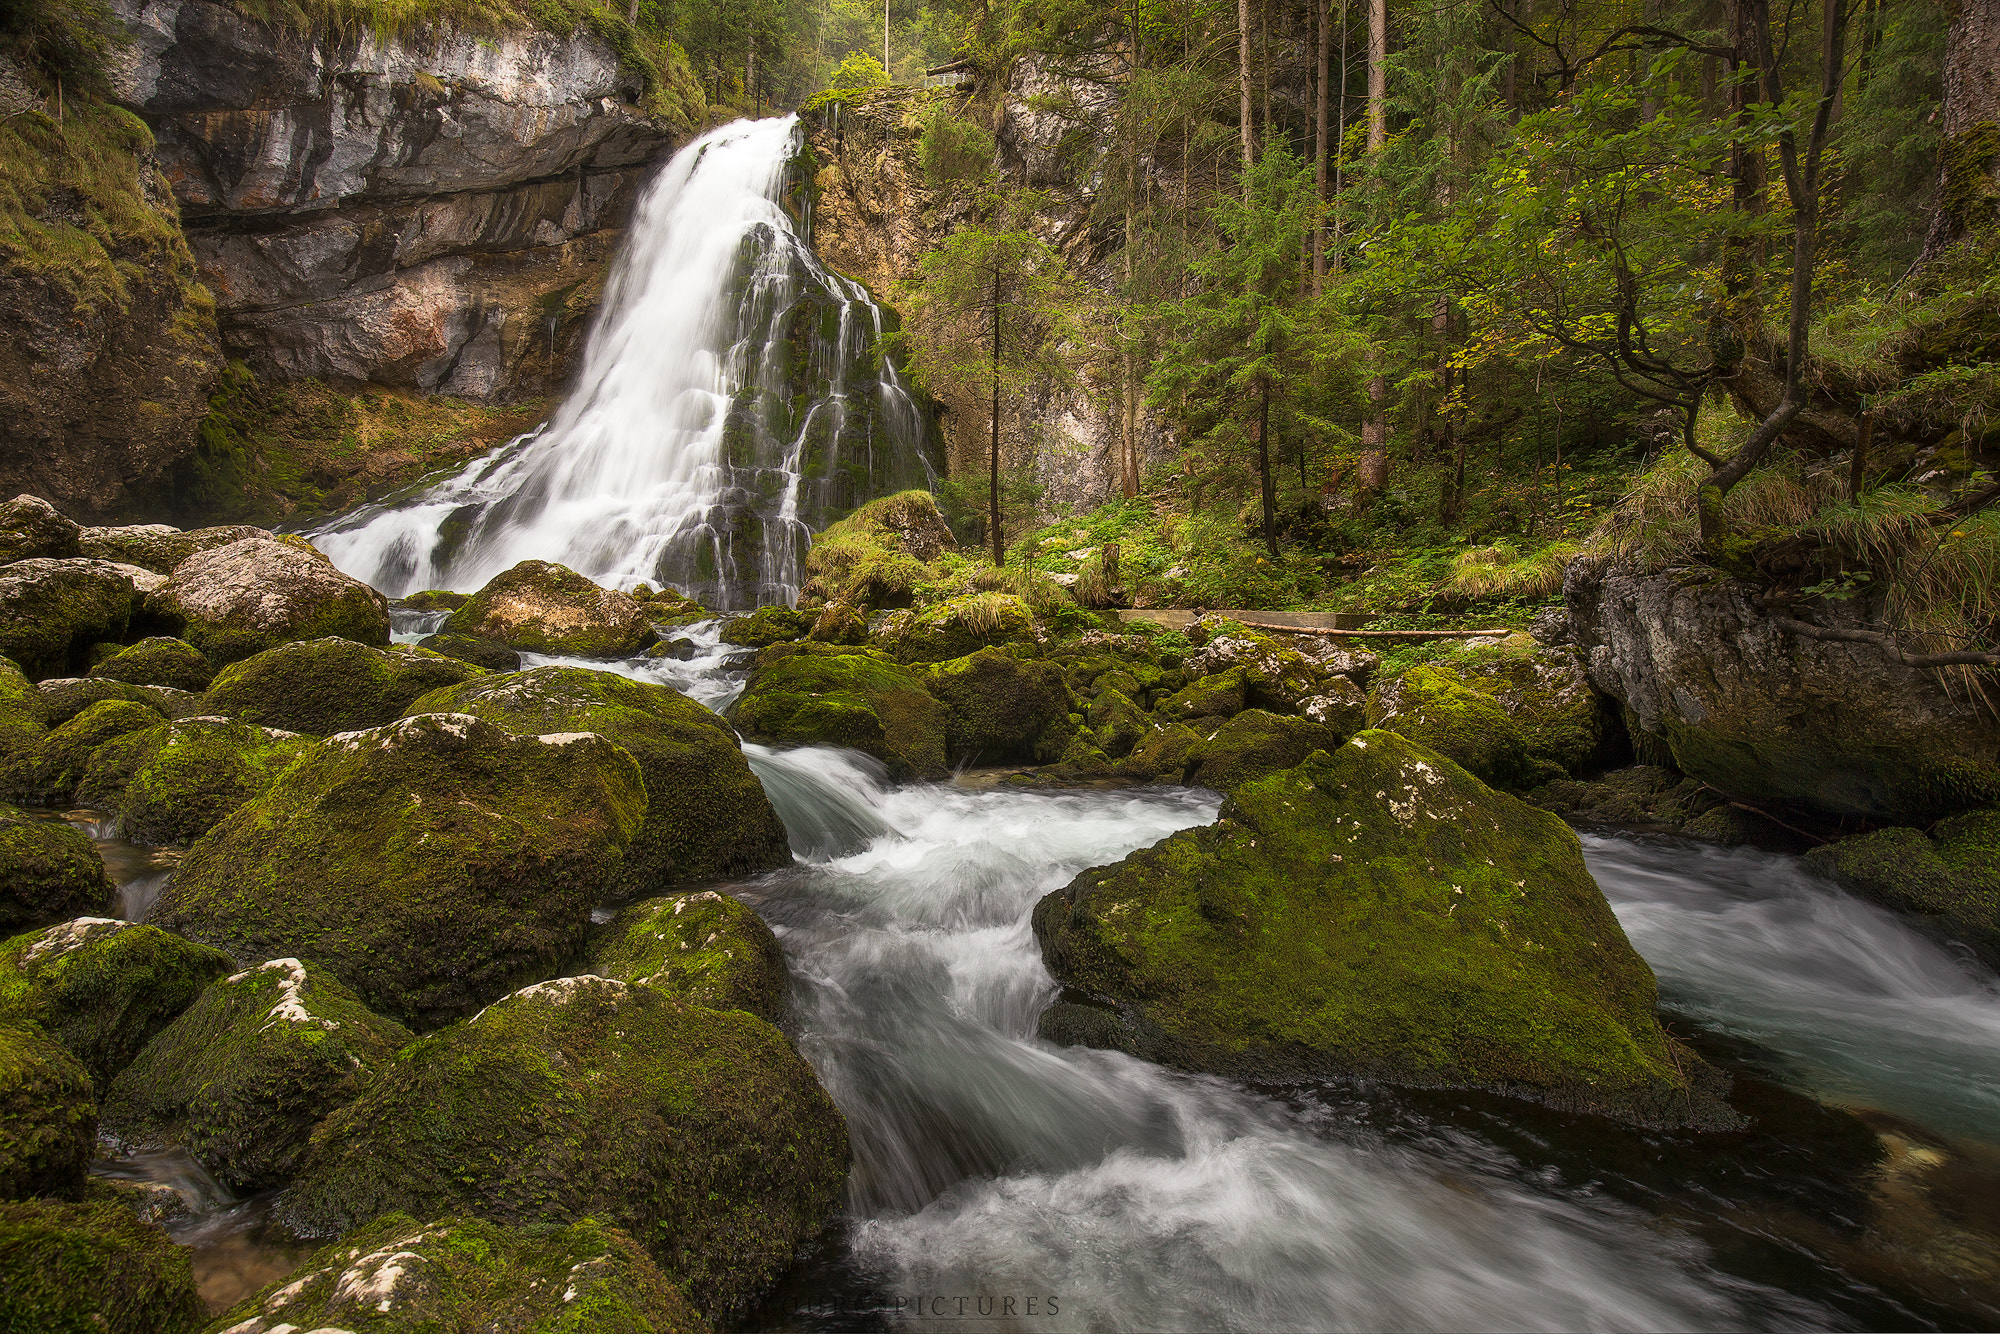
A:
{"points": [[706, 813], [704, 948], [840, 623], [1222, 695], [102, 988], [50, 772], [699, 1132], [963, 625], [49, 872], [1434, 707], [64, 698], [1377, 911], [1278, 679], [1562, 721], [174, 783], [855, 698], [1117, 724], [543, 608], [461, 1272], [323, 686], [22, 720], [432, 864], [1255, 744], [767, 626], [48, 1123], [1951, 877], [493, 656], [245, 1073], [1163, 754], [31, 527], [174, 663], [1001, 709], [1971, 198], [91, 1267], [877, 556], [53, 611], [296, 595], [436, 599]]}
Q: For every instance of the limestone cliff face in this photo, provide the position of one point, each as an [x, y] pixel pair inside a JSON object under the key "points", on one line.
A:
{"points": [[426, 212], [874, 218]]}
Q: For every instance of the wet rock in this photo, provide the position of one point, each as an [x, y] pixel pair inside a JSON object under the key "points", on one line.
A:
{"points": [[1001, 709], [1378, 912], [706, 813], [431, 864], [704, 948], [964, 625], [53, 611], [398, 1276], [543, 608], [102, 988], [699, 1131], [323, 686], [853, 698], [175, 782], [766, 626], [49, 872], [244, 1074], [1163, 754], [260, 592], [877, 555], [1117, 723], [48, 1123], [158, 661], [488, 653], [92, 1265], [31, 527], [50, 771], [158, 547], [1950, 877]]}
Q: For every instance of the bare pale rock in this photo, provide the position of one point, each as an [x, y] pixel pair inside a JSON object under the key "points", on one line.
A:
{"points": [[260, 592]]}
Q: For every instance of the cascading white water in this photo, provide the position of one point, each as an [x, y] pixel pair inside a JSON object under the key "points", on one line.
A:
{"points": [[733, 394]]}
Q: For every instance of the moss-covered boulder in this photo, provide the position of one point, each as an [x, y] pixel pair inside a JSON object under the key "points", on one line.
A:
{"points": [[700, 1132], [434, 599], [1434, 707], [62, 698], [260, 592], [49, 872], [158, 547], [174, 782], [704, 948], [50, 771], [853, 698], [876, 556], [158, 661], [1280, 679], [963, 625], [1377, 912], [103, 988], [1562, 720], [53, 611], [323, 686], [1164, 754], [1117, 723], [245, 1073], [1255, 744], [1214, 697], [488, 653], [706, 813], [91, 1265], [432, 864], [1001, 709], [543, 608], [1951, 877], [23, 720], [766, 626], [839, 623], [399, 1276], [48, 1122], [31, 527]]}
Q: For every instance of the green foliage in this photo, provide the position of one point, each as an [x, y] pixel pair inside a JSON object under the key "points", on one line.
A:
{"points": [[953, 150]]}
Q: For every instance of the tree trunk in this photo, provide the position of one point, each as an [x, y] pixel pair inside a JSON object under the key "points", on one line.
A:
{"points": [[1375, 430], [1243, 86], [993, 474], [1264, 465], [1320, 150], [1969, 150], [1378, 74]]}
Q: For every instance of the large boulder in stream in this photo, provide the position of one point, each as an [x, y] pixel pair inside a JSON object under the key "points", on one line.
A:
{"points": [[399, 1276], [543, 608], [1949, 877], [157, 546], [832, 695], [92, 1265], [174, 782], [432, 864], [323, 686], [700, 1132], [53, 611], [706, 814], [50, 871], [1002, 709], [49, 773], [23, 720], [703, 947], [158, 661], [1375, 912], [256, 593]]}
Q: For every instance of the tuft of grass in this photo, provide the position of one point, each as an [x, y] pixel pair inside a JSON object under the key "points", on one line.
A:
{"points": [[1504, 570]]}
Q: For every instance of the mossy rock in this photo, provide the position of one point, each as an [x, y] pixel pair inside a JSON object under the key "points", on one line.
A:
{"points": [[48, 1122], [1434, 707], [1221, 695], [235, 601], [158, 661], [840, 623], [1951, 878], [433, 864], [245, 1073], [23, 720], [876, 556], [399, 1276], [1280, 679], [857, 699], [1117, 723], [434, 599], [103, 988], [324, 686], [50, 871], [53, 611], [91, 1267], [1001, 709], [706, 813], [50, 772], [543, 608], [488, 653], [1255, 744], [62, 698], [964, 625], [1164, 754], [704, 948], [30, 527], [157, 546], [174, 782], [1562, 720], [766, 626], [700, 1132], [1377, 912]]}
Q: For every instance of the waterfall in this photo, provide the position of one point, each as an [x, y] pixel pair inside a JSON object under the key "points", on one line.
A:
{"points": [[733, 397]]}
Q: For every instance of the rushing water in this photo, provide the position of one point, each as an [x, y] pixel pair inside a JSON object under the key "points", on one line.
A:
{"points": [[733, 396]]}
